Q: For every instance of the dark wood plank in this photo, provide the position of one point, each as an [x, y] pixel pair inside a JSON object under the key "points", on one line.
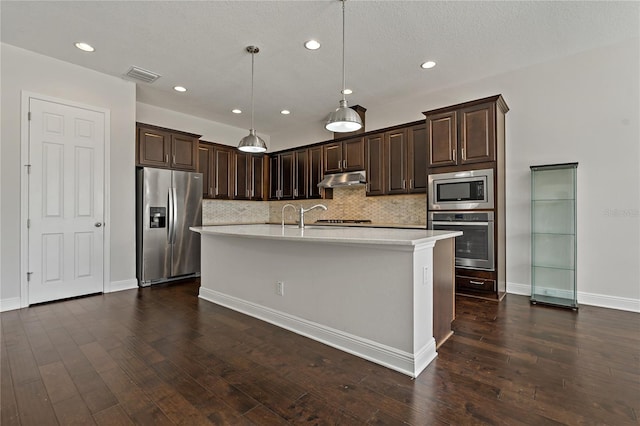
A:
{"points": [[34, 405], [112, 416]]}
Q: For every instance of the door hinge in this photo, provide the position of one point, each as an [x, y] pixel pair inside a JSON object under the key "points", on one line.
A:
{"points": [[28, 166], [29, 276], [29, 116], [28, 223]]}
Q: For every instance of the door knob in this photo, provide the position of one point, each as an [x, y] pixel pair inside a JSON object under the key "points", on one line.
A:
{"points": [[98, 224]]}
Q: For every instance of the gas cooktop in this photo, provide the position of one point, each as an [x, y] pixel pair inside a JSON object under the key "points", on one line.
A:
{"points": [[343, 221]]}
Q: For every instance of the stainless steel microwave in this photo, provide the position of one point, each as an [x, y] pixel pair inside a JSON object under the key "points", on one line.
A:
{"points": [[467, 190]]}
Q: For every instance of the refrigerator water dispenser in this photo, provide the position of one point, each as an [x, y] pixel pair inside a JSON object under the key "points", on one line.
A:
{"points": [[157, 217]]}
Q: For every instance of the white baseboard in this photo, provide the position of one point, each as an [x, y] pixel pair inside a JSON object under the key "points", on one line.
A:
{"points": [[387, 356], [9, 304], [121, 285], [591, 299]]}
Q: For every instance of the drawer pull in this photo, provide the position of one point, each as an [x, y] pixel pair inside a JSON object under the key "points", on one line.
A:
{"points": [[476, 282]]}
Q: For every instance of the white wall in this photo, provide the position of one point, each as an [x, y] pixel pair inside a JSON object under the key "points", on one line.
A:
{"points": [[23, 70], [582, 108], [211, 131]]}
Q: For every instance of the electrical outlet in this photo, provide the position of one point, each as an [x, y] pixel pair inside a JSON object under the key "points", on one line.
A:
{"points": [[280, 288], [426, 276]]}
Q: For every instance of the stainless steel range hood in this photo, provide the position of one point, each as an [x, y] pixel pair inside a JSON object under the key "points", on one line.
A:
{"points": [[344, 179]]}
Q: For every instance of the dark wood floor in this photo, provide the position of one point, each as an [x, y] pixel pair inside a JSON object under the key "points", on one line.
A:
{"points": [[161, 356]]}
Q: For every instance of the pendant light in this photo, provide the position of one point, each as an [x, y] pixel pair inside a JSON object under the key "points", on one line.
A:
{"points": [[252, 142], [343, 119]]}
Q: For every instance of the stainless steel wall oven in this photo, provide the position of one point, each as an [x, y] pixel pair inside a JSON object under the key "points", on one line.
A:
{"points": [[475, 248]]}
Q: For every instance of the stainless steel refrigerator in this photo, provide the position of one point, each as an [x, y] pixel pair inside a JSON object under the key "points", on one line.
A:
{"points": [[168, 202]]}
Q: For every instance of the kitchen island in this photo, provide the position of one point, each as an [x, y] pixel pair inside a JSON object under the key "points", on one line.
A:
{"points": [[386, 295]]}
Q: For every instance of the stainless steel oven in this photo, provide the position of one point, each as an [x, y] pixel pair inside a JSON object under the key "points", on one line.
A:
{"points": [[467, 190], [474, 248]]}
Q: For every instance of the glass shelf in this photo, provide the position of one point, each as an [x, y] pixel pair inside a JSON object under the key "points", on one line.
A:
{"points": [[553, 235]]}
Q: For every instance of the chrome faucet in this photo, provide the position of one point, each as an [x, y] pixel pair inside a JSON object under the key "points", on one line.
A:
{"points": [[284, 207], [303, 211]]}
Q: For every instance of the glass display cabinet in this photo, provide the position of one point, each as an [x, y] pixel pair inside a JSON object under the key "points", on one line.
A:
{"points": [[553, 235]]}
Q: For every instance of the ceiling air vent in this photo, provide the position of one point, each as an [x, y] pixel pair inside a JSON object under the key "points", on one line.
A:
{"points": [[142, 75]]}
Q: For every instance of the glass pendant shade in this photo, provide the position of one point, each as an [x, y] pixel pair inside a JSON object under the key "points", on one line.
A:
{"points": [[252, 143], [343, 119]]}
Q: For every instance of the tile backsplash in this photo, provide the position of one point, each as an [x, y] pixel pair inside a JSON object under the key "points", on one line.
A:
{"points": [[347, 203], [216, 212]]}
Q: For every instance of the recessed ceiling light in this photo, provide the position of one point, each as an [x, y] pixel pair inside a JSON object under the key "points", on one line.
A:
{"points": [[312, 44], [236, 111], [427, 65], [84, 46], [347, 91], [285, 112], [179, 89]]}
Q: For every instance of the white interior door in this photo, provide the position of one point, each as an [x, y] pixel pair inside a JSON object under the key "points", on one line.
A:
{"points": [[66, 201]]}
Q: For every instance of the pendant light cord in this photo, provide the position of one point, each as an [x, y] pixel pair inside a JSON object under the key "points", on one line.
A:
{"points": [[252, 60], [343, 56]]}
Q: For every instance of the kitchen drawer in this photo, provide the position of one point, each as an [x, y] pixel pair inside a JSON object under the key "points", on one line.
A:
{"points": [[477, 284]]}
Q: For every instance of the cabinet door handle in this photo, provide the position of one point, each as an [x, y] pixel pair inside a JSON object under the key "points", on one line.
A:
{"points": [[404, 184], [339, 164], [344, 164], [210, 190], [295, 192], [166, 158], [216, 191], [174, 159], [476, 282], [453, 155], [410, 183], [462, 152]]}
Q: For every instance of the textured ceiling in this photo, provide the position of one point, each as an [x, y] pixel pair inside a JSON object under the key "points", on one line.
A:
{"points": [[201, 45]]}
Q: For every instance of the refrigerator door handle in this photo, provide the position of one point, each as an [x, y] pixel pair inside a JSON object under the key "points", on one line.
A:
{"points": [[174, 215], [170, 221]]}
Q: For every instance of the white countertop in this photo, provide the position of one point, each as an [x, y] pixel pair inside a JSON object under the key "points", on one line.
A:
{"points": [[334, 234]]}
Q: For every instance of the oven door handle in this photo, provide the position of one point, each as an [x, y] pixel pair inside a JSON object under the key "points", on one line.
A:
{"points": [[461, 223]]}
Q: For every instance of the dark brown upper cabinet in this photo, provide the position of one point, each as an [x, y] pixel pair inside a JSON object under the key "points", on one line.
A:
{"points": [[374, 157], [344, 156], [205, 166], [257, 177], [396, 161], [248, 179], [242, 175], [215, 162], [296, 174], [315, 171], [464, 133], [166, 148], [301, 178], [417, 158], [282, 176]]}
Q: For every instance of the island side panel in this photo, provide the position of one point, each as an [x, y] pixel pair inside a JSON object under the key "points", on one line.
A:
{"points": [[363, 291], [443, 289]]}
